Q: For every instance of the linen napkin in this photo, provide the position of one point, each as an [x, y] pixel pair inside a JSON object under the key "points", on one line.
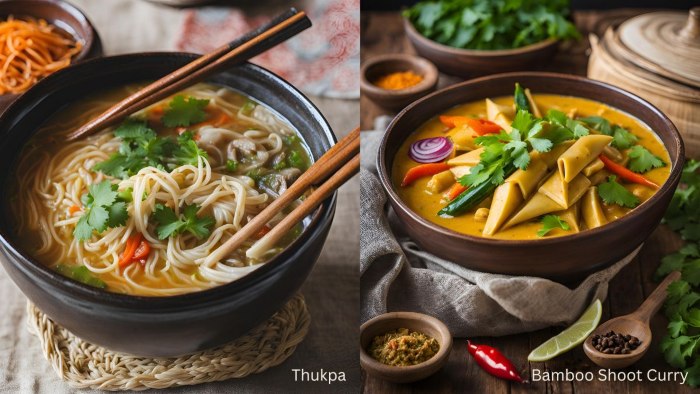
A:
{"points": [[396, 275]]}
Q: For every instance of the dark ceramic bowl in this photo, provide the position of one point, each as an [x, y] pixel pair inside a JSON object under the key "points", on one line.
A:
{"points": [[69, 19], [567, 258], [395, 100], [473, 63], [159, 326]]}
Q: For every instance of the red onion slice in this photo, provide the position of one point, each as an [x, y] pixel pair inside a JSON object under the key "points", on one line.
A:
{"points": [[430, 150]]}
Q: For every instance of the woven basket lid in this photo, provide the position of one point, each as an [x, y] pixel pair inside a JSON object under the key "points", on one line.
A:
{"points": [[665, 43]]}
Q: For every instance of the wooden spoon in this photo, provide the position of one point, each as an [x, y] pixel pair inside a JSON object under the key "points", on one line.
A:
{"points": [[636, 324]]}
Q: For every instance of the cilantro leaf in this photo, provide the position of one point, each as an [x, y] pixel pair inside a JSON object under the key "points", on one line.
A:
{"points": [[675, 349], [104, 208], [641, 160], [623, 139], [693, 372], [677, 327], [550, 222], [598, 123], [184, 112], [134, 130], [614, 193], [541, 144], [169, 224]]}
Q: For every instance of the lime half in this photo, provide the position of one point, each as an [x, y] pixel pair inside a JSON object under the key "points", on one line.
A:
{"points": [[571, 337]]}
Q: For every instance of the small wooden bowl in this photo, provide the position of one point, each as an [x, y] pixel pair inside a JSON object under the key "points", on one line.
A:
{"points": [[469, 63], [415, 322], [386, 64]]}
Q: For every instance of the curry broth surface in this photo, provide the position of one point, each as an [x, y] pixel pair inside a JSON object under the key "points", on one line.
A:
{"points": [[427, 205]]}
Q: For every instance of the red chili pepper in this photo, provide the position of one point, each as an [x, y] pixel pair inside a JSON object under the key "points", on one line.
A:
{"points": [[494, 362], [626, 174]]}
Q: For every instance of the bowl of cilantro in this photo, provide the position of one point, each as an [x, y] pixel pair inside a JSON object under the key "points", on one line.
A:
{"points": [[440, 222], [149, 325], [481, 37]]}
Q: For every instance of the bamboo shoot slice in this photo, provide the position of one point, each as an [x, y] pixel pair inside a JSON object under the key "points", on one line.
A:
{"points": [[467, 159], [506, 199], [582, 152], [538, 205], [564, 194], [591, 210], [528, 179]]}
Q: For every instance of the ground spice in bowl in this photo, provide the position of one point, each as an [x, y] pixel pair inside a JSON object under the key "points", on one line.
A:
{"points": [[403, 348], [614, 343], [398, 80]]}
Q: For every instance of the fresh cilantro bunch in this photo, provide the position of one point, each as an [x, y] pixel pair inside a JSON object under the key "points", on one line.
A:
{"points": [[550, 222], [528, 133], [681, 342], [171, 224], [488, 24], [105, 208], [141, 147], [614, 193]]}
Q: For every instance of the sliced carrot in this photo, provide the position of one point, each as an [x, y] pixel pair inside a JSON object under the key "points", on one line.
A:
{"points": [[216, 118], [625, 173], [455, 191], [131, 245], [73, 209], [483, 126], [266, 229], [423, 170], [453, 121], [142, 251]]}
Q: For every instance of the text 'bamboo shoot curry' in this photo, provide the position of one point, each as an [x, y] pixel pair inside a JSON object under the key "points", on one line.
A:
{"points": [[529, 166]]}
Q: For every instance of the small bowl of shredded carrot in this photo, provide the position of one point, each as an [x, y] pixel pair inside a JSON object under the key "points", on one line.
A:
{"points": [[394, 81], [38, 38]]}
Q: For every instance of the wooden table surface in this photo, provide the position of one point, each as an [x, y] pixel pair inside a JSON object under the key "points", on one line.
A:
{"points": [[383, 33]]}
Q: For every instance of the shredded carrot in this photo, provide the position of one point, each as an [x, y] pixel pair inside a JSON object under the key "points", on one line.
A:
{"points": [[131, 245], [73, 209], [31, 49], [216, 118]]}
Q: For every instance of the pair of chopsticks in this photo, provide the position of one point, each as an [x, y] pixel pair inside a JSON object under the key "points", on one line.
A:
{"points": [[276, 31], [334, 168]]}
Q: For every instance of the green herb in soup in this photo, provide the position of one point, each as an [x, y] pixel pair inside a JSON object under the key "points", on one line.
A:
{"points": [[491, 25], [403, 348]]}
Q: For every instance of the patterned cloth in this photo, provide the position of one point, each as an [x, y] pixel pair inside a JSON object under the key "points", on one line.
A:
{"points": [[323, 60]]}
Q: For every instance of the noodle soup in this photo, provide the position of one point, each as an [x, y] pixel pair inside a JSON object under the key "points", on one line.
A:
{"points": [[137, 208]]}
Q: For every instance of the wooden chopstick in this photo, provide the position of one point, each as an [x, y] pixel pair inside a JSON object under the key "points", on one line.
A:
{"points": [[306, 207], [330, 162], [250, 45]]}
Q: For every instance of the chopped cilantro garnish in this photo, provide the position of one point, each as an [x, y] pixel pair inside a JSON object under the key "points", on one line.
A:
{"points": [[169, 224], [614, 193], [231, 165], [296, 159], [104, 209], [81, 274], [641, 160], [184, 112], [598, 123], [141, 148], [623, 139], [550, 222]]}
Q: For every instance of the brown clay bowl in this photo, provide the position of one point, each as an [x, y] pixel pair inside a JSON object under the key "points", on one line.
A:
{"points": [[68, 18], [415, 322], [568, 258], [395, 100], [473, 63]]}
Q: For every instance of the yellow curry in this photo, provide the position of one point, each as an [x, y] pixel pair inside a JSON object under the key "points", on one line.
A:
{"points": [[529, 166]]}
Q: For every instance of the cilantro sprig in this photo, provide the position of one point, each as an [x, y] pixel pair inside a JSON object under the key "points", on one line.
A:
{"points": [[641, 160], [141, 147], [681, 343], [551, 222], [184, 111], [622, 138], [614, 193], [171, 224], [104, 208]]}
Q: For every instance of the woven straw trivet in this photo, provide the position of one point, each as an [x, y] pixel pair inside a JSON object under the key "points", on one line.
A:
{"points": [[84, 365]]}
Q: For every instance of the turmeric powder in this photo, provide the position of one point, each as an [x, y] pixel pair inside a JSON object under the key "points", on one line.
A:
{"points": [[398, 80]]}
